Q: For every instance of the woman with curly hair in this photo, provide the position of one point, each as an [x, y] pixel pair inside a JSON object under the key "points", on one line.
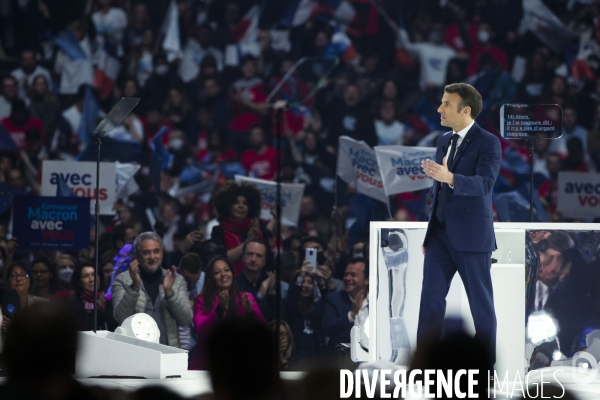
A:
{"points": [[219, 299], [238, 206]]}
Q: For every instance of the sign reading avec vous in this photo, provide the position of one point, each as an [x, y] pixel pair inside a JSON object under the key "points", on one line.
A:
{"points": [[80, 176], [51, 223]]}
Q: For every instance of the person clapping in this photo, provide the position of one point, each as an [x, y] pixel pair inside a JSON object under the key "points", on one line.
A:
{"points": [[220, 299]]}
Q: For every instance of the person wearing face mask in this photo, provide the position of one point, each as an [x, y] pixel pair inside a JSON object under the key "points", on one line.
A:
{"points": [[65, 265], [484, 45], [147, 288]]}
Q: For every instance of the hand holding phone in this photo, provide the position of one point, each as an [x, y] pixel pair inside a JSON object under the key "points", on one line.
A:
{"points": [[311, 256]]}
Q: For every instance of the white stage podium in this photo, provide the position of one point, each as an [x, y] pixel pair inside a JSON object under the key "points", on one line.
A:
{"points": [[508, 279], [104, 354]]}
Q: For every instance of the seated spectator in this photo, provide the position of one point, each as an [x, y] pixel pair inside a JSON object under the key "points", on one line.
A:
{"points": [[341, 308], [19, 122], [178, 110], [65, 265], [47, 108], [325, 266], [194, 52], [9, 94], [570, 130], [255, 279], [81, 300], [122, 234], [190, 267], [220, 299], [575, 160], [238, 206], [19, 278], [28, 70], [217, 151], [107, 265], [548, 191], [389, 130], [286, 343], [242, 361], [45, 278], [141, 290], [304, 313], [247, 99], [110, 22], [347, 117], [260, 160]]}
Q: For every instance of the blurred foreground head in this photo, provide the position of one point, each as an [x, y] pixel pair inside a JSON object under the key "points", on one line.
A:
{"points": [[41, 343], [454, 352], [242, 360]]}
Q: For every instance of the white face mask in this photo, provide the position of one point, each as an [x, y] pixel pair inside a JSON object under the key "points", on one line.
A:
{"points": [[65, 274], [176, 144], [483, 36], [161, 70]]}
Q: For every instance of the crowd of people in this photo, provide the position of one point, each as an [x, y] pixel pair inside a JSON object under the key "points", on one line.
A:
{"points": [[203, 71]]}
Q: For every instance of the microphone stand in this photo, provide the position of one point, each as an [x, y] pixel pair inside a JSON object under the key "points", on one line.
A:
{"points": [[532, 141], [97, 227]]}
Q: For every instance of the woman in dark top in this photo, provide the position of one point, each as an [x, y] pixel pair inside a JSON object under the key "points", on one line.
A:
{"points": [[81, 300], [304, 311]]}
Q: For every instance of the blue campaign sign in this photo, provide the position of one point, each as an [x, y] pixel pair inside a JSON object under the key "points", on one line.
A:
{"points": [[51, 223]]}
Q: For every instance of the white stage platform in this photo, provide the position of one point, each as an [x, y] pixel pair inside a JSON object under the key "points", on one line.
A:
{"points": [[198, 382]]}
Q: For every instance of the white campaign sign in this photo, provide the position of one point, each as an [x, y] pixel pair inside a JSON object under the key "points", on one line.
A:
{"points": [[80, 176], [357, 165], [401, 170], [291, 197], [579, 194]]}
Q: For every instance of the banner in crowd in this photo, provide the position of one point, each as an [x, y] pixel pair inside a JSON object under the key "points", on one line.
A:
{"points": [[51, 223], [80, 176], [291, 197], [357, 165], [401, 170], [579, 194]]}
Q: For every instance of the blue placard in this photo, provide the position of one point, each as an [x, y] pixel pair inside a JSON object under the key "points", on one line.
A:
{"points": [[51, 223]]}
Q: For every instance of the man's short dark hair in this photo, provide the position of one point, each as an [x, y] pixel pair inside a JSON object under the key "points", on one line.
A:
{"points": [[191, 263], [260, 241], [469, 96], [355, 260], [561, 242]]}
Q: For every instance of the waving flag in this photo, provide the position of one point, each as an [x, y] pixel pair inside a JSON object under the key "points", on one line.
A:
{"points": [[246, 30], [68, 43], [108, 67], [297, 12], [89, 117], [357, 165], [342, 46], [170, 29], [401, 168]]}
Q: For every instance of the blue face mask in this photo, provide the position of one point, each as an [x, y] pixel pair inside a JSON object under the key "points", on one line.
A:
{"points": [[65, 274]]}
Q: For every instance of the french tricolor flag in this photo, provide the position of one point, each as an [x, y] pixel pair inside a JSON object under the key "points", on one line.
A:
{"points": [[340, 10], [246, 30], [108, 67], [342, 46], [297, 12]]}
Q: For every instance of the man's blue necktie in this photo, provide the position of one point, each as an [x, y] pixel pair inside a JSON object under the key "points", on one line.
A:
{"points": [[440, 212]]}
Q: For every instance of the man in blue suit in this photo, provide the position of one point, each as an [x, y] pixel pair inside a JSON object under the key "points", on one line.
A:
{"points": [[342, 307], [460, 234]]}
